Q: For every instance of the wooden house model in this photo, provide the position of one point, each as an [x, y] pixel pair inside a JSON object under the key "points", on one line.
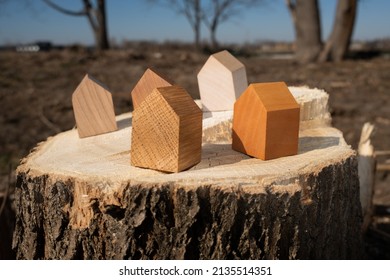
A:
{"points": [[221, 81], [166, 131], [93, 108], [266, 121]]}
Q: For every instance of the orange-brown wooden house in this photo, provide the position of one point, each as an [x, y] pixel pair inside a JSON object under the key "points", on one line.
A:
{"points": [[266, 121]]}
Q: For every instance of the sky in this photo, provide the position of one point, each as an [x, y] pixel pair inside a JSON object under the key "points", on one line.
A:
{"points": [[140, 20]]}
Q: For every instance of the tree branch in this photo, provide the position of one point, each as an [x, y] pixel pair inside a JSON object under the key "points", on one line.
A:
{"points": [[90, 13], [65, 11], [291, 5]]}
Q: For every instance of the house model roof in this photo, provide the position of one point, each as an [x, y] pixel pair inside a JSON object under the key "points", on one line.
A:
{"points": [[150, 80]]}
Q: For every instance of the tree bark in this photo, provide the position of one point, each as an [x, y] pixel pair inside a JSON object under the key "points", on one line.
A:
{"points": [[101, 32], [306, 19], [338, 43], [83, 200]]}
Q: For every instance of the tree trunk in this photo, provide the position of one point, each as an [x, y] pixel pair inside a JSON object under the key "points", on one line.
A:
{"points": [[306, 18], [197, 37], [96, 17], [101, 34], [338, 43], [197, 23], [81, 199], [213, 35]]}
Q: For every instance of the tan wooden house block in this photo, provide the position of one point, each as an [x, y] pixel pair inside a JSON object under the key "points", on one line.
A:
{"points": [[148, 82], [93, 108], [221, 81], [266, 121], [167, 131]]}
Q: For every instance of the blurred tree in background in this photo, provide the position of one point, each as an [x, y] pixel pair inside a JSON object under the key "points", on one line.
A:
{"points": [[338, 43], [96, 15], [306, 16], [306, 20], [220, 11], [212, 13], [191, 9]]}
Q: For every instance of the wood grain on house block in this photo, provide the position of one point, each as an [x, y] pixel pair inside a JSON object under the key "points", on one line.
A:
{"points": [[93, 108], [221, 81], [148, 82], [167, 131], [266, 121]]}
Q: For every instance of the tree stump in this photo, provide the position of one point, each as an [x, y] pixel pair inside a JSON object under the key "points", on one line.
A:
{"points": [[81, 198]]}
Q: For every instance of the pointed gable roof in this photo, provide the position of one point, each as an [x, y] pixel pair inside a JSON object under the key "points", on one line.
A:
{"points": [[150, 80]]}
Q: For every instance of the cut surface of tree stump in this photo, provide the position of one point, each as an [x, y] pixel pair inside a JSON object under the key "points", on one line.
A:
{"points": [[81, 198]]}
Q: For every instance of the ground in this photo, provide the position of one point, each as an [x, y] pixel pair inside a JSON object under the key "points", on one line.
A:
{"points": [[36, 89]]}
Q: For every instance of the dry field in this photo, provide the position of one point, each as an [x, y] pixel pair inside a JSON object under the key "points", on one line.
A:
{"points": [[36, 89]]}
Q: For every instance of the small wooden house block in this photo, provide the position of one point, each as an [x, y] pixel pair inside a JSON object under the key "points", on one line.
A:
{"points": [[93, 108], [221, 81], [266, 121], [148, 82], [167, 131]]}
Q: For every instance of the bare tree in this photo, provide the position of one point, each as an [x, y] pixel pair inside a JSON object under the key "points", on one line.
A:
{"points": [[212, 14], [221, 11], [338, 43], [191, 9], [96, 16], [306, 19]]}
